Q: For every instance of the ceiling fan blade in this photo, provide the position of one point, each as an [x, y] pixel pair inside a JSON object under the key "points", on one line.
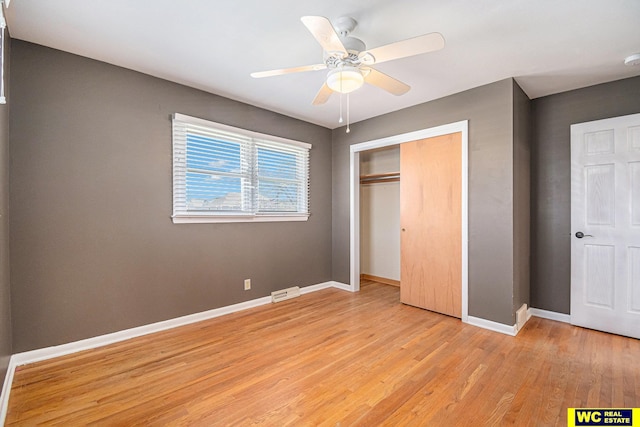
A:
{"points": [[282, 71], [323, 95], [404, 48], [383, 81], [321, 28]]}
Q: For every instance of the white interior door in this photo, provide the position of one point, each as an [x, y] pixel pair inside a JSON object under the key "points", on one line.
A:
{"points": [[605, 225]]}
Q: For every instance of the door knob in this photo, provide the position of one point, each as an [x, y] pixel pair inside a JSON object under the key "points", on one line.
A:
{"points": [[580, 235]]}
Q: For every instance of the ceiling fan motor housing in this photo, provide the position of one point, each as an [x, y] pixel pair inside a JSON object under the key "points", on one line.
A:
{"points": [[336, 60], [353, 44]]}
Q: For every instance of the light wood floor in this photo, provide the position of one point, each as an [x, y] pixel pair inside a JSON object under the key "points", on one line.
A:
{"points": [[334, 358]]}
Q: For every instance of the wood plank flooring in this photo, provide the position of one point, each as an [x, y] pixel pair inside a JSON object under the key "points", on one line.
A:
{"points": [[334, 358]]}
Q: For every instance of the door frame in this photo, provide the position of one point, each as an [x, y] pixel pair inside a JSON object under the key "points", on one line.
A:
{"points": [[354, 205]]}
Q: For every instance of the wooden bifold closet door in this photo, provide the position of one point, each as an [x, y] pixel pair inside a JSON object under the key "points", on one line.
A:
{"points": [[431, 224]]}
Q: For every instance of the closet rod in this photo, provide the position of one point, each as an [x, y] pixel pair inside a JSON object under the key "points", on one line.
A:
{"points": [[380, 177]]}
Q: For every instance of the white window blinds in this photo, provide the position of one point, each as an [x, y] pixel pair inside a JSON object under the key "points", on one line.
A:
{"points": [[222, 173]]}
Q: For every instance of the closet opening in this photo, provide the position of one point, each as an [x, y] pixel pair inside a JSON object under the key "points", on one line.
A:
{"points": [[375, 159], [380, 215]]}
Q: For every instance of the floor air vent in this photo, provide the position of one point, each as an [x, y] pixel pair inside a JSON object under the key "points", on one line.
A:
{"points": [[285, 294]]}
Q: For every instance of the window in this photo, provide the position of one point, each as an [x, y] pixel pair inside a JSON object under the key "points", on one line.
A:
{"points": [[226, 174]]}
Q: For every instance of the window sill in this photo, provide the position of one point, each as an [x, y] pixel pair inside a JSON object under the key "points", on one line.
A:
{"points": [[209, 219]]}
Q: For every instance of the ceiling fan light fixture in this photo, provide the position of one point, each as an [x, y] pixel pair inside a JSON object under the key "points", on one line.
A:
{"points": [[632, 60], [345, 79]]}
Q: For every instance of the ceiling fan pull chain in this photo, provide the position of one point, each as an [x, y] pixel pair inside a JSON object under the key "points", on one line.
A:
{"points": [[340, 119], [348, 129]]}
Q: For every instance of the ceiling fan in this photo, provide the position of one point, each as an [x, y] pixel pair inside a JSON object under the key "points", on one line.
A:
{"points": [[350, 63]]}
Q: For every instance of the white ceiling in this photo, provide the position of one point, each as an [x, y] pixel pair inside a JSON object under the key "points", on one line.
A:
{"points": [[549, 46]]}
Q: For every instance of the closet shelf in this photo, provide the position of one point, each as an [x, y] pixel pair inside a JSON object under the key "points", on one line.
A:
{"points": [[380, 177]]}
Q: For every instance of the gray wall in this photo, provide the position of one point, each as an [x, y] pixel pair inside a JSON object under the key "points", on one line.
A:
{"points": [[521, 196], [93, 247], [551, 180], [5, 285], [489, 110]]}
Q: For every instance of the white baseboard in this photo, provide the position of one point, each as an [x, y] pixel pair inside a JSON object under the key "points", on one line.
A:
{"points": [[513, 330], [342, 286], [102, 340], [320, 286], [6, 389], [493, 326], [551, 315]]}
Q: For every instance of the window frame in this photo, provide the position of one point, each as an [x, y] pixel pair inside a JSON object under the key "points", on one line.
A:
{"points": [[182, 215]]}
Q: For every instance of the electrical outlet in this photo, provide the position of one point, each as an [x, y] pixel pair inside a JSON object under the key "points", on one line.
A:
{"points": [[247, 284]]}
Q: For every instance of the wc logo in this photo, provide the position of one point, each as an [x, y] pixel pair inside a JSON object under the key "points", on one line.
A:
{"points": [[603, 417]]}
